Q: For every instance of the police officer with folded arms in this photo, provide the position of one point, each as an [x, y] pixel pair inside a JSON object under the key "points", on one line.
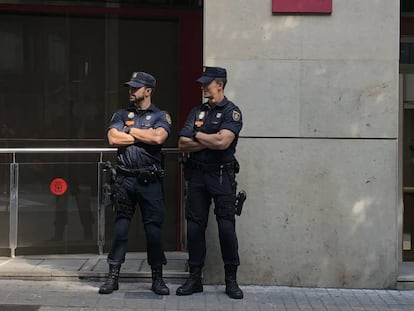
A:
{"points": [[209, 137], [139, 132]]}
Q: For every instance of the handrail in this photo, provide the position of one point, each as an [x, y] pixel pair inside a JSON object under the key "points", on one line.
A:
{"points": [[14, 187], [74, 150], [14, 151]]}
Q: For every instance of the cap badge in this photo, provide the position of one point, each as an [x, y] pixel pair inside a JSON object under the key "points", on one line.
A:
{"points": [[134, 75], [168, 118], [236, 115], [131, 115], [201, 115]]}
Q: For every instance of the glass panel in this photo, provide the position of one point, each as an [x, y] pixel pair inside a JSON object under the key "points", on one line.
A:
{"points": [[407, 6], [4, 207], [406, 53], [408, 183], [77, 67], [64, 222], [408, 143]]}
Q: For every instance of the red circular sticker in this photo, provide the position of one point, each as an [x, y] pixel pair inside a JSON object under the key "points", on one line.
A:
{"points": [[58, 186]]}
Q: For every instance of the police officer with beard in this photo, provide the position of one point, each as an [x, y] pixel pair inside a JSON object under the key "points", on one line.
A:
{"points": [[210, 137], [139, 132]]}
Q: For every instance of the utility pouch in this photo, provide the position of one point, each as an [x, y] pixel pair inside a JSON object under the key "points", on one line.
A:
{"points": [[147, 177], [184, 161], [108, 184]]}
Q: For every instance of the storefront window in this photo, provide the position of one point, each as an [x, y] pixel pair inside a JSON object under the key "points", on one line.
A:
{"points": [[61, 77], [407, 6]]}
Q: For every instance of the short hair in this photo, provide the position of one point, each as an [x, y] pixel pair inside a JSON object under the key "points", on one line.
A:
{"points": [[221, 80]]}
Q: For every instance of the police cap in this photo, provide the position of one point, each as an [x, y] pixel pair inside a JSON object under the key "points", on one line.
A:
{"points": [[211, 73], [140, 79]]}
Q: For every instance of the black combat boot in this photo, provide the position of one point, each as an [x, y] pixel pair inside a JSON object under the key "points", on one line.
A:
{"points": [[193, 284], [111, 282], [158, 285], [232, 288]]}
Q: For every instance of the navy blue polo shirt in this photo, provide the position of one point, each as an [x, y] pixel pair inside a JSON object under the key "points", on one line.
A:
{"points": [[210, 120], [140, 155]]}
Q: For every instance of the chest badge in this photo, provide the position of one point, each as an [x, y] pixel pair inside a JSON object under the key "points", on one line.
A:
{"points": [[131, 115], [148, 117], [218, 115], [202, 115]]}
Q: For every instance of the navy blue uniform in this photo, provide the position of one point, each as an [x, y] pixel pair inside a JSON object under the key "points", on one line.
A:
{"points": [[133, 162], [211, 175]]}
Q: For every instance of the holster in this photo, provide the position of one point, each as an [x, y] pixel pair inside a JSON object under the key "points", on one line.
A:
{"points": [[108, 183]]}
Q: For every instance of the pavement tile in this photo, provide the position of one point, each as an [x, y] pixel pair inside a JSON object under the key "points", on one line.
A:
{"points": [[82, 295]]}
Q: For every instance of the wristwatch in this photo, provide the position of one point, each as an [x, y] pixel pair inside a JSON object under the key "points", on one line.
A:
{"points": [[127, 129]]}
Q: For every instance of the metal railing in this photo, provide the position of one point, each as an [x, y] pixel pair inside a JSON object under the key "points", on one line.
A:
{"points": [[14, 187]]}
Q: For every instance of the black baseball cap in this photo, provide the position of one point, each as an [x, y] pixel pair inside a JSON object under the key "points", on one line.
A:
{"points": [[140, 79], [211, 73]]}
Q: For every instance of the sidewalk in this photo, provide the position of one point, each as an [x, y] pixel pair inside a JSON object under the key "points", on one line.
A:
{"points": [[70, 282], [20, 295]]}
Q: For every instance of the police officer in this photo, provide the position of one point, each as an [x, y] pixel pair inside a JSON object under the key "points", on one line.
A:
{"points": [[210, 136], [139, 132]]}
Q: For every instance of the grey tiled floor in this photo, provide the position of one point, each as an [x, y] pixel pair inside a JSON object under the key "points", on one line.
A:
{"points": [[82, 295], [69, 282]]}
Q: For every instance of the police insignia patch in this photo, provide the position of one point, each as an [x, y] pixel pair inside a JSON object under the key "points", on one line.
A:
{"points": [[168, 118], [236, 115], [131, 115]]}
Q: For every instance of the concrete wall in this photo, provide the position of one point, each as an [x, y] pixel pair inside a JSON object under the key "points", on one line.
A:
{"points": [[319, 147]]}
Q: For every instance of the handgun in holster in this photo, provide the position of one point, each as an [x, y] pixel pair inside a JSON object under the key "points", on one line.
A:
{"points": [[108, 175], [240, 198], [184, 161]]}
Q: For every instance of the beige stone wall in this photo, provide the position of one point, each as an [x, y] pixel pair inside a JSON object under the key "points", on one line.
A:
{"points": [[318, 150]]}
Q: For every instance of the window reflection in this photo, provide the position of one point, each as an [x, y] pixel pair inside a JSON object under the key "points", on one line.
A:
{"points": [[61, 77]]}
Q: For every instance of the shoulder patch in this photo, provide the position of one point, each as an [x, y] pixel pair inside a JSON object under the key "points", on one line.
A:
{"points": [[236, 115]]}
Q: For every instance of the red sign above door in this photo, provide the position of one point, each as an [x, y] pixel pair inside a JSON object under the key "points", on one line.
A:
{"points": [[302, 6]]}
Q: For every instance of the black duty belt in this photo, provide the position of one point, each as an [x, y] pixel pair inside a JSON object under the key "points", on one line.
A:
{"points": [[138, 171], [212, 166], [145, 176]]}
